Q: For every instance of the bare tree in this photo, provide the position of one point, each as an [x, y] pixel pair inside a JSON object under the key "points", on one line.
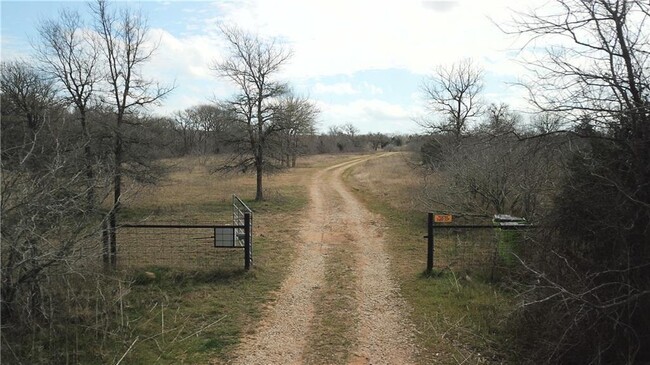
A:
{"points": [[547, 123], [44, 226], [296, 117], [125, 49], [49, 246], [42, 193], [203, 128], [26, 94], [592, 266], [184, 125], [350, 130], [210, 121], [334, 130], [500, 120], [453, 91], [252, 64], [345, 137], [491, 171], [70, 56], [378, 140]]}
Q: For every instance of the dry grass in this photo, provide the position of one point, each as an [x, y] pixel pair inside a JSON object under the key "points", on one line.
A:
{"points": [[192, 193], [192, 187], [392, 180], [178, 303], [460, 318]]}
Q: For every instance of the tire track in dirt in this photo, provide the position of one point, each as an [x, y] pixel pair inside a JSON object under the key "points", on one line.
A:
{"points": [[385, 335], [334, 328], [381, 335]]}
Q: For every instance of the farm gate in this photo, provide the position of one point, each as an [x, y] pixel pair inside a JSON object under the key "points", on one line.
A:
{"points": [[488, 248], [185, 246]]}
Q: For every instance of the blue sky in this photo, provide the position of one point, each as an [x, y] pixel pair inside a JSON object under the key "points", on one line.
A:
{"points": [[361, 61]]}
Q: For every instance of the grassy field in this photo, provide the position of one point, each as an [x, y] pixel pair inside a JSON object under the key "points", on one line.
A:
{"points": [[178, 316], [460, 318]]}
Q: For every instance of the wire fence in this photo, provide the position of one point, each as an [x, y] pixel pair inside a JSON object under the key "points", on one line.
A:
{"points": [[184, 246], [174, 247], [487, 251]]}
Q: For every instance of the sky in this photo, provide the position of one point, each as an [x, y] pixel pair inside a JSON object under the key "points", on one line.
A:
{"points": [[362, 62]]}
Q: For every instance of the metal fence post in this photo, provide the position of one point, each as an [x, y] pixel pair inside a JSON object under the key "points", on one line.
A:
{"points": [[430, 247], [247, 241]]}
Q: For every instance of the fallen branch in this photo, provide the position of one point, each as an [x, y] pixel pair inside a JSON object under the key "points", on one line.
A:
{"points": [[203, 328], [127, 351]]}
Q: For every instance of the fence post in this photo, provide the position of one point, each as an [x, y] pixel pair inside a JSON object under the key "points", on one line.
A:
{"points": [[430, 247], [247, 241]]}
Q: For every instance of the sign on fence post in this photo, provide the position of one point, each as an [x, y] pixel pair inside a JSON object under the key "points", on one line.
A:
{"points": [[443, 218]]}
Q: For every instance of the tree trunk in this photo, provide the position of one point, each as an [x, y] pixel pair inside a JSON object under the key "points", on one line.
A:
{"points": [[259, 195], [117, 197], [259, 165], [259, 155], [90, 175]]}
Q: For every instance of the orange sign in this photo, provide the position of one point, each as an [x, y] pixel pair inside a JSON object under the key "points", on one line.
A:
{"points": [[442, 218]]}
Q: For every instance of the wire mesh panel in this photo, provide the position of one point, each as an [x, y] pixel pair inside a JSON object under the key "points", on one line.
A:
{"points": [[487, 250], [183, 246], [174, 247]]}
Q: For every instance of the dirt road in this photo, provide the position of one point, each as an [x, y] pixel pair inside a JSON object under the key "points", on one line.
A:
{"points": [[339, 304]]}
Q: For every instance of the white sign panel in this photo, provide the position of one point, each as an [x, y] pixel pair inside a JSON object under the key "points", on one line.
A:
{"points": [[224, 237]]}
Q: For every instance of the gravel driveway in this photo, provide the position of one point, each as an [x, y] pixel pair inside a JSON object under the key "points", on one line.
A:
{"points": [[383, 332]]}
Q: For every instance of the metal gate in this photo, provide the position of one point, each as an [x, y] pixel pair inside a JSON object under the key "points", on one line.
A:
{"points": [[191, 246], [475, 245], [242, 215]]}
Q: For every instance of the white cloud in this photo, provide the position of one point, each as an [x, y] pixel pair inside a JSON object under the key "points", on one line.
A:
{"points": [[343, 37], [189, 56], [441, 6], [369, 115], [12, 48], [342, 88], [347, 88], [185, 61], [373, 89]]}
